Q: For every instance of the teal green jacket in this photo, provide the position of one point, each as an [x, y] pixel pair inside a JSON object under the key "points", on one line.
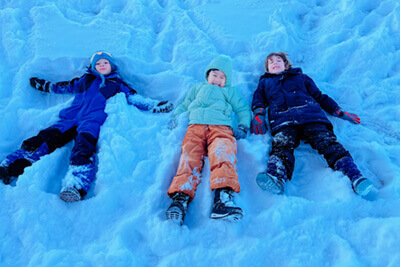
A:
{"points": [[212, 105]]}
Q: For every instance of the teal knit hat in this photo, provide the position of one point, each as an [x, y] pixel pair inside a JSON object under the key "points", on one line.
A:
{"points": [[102, 55], [224, 64]]}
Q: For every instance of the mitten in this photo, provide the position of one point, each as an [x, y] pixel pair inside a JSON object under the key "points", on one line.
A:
{"points": [[258, 122], [163, 107], [240, 132], [40, 84], [347, 116], [173, 123]]}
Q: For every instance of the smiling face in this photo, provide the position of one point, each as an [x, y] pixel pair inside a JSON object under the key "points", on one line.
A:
{"points": [[103, 66], [216, 77], [276, 65]]}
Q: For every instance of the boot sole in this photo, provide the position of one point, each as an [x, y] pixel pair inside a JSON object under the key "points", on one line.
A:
{"points": [[364, 188], [68, 196], [227, 217], [266, 183]]}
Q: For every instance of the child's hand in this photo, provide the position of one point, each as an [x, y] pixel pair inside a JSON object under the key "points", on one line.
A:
{"points": [[163, 107], [258, 123], [347, 116], [240, 132], [40, 84], [173, 123]]}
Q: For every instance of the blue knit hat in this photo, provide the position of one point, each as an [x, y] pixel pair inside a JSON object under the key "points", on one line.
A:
{"points": [[102, 55]]}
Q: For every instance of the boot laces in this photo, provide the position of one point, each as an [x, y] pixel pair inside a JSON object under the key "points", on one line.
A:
{"points": [[181, 198]]}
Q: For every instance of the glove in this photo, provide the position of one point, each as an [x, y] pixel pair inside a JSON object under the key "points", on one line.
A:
{"points": [[163, 107], [347, 116], [240, 132], [173, 123], [40, 84], [258, 123]]}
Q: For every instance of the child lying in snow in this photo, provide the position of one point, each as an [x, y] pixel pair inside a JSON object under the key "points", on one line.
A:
{"points": [[81, 122], [295, 111], [210, 105]]}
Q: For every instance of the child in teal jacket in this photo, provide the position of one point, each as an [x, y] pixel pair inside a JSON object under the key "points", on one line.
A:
{"points": [[210, 133]]}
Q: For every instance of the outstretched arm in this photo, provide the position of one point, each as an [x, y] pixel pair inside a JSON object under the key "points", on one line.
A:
{"points": [[144, 103], [58, 88], [328, 104]]}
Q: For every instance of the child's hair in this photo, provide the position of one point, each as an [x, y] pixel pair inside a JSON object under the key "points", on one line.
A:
{"points": [[210, 70], [282, 55]]}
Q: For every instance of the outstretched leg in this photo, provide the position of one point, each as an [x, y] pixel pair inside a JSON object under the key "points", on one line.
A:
{"points": [[281, 161], [337, 157], [191, 162], [32, 150], [82, 170]]}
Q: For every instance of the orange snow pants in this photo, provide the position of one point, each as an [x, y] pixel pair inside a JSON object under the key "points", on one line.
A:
{"points": [[219, 142]]}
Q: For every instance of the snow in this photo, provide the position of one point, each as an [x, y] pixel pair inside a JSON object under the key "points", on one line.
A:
{"points": [[350, 48]]}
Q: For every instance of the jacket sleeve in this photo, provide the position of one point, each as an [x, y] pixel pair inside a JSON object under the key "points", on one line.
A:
{"points": [[133, 98], [67, 87], [326, 103], [259, 100], [190, 96], [240, 107]]}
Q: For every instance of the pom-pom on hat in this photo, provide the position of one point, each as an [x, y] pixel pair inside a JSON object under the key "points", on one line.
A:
{"points": [[102, 55]]}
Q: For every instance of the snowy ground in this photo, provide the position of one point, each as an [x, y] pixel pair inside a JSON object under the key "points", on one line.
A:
{"points": [[350, 48]]}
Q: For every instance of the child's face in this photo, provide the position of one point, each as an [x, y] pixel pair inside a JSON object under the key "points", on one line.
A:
{"points": [[276, 65], [216, 77], [103, 66]]}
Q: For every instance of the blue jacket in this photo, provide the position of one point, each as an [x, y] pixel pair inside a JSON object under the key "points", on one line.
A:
{"points": [[87, 109], [292, 98]]}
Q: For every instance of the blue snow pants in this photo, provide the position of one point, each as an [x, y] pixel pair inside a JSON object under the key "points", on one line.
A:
{"points": [[46, 142], [281, 158]]}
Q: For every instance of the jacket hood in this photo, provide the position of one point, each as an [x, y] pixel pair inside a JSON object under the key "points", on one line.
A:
{"points": [[224, 64], [291, 71]]}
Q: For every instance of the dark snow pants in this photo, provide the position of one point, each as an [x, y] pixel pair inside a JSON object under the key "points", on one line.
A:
{"points": [[46, 142], [281, 160]]}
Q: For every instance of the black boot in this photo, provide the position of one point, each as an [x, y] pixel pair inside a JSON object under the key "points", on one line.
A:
{"points": [[4, 175], [224, 208], [177, 210]]}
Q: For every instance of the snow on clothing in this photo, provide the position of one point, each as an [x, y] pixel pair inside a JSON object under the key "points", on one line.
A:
{"points": [[281, 160], [295, 112], [292, 98], [209, 130], [81, 121], [221, 146]]}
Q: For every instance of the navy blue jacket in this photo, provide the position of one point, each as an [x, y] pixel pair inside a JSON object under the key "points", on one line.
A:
{"points": [[87, 109], [292, 98]]}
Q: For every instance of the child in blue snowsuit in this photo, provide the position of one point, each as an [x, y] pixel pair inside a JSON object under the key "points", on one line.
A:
{"points": [[295, 109], [80, 122]]}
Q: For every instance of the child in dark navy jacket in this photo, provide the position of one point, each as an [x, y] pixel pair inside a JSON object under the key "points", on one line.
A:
{"points": [[296, 108], [81, 122]]}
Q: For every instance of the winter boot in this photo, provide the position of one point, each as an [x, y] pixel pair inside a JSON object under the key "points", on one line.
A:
{"points": [[177, 210], [70, 194], [270, 183], [362, 186], [224, 208], [5, 176]]}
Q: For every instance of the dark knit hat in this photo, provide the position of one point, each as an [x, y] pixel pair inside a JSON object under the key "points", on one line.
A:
{"points": [[102, 55]]}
